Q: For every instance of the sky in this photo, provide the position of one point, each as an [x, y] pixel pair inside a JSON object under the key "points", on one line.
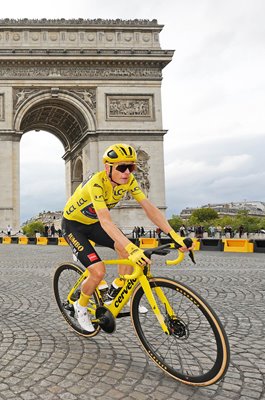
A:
{"points": [[213, 95]]}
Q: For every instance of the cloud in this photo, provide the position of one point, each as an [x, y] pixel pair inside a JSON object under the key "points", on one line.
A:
{"points": [[220, 170], [42, 174]]}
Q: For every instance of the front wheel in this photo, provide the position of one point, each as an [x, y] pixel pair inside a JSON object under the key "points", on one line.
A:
{"points": [[65, 277], [196, 351]]}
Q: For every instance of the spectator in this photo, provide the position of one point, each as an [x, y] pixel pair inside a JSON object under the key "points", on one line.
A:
{"points": [[9, 230], [212, 231], [199, 231], [52, 230], [46, 230], [241, 231], [182, 231]]}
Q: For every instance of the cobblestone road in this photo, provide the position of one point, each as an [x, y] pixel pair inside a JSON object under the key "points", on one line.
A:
{"points": [[40, 358]]}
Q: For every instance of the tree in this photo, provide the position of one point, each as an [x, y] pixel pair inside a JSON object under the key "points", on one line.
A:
{"points": [[176, 222], [203, 215], [30, 229], [250, 224]]}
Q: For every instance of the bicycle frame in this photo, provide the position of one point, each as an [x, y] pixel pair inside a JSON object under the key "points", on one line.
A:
{"points": [[131, 281], [173, 306]]}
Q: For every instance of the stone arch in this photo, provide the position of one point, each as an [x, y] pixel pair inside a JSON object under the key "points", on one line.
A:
{"points": [[60, 113], [77, 176], [90, 83]]}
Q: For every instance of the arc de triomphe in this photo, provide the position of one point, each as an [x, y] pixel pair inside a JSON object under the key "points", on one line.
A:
{"points": [[90, 83]]}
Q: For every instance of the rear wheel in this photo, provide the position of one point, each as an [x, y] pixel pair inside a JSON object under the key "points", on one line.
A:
{"points": [[65, 277], [196, 351]]}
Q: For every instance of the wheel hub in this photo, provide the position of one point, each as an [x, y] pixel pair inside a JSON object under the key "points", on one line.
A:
{"points": [[177, 327]]}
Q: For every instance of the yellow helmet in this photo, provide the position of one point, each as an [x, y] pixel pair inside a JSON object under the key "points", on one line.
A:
{"points": [[118, 153]]}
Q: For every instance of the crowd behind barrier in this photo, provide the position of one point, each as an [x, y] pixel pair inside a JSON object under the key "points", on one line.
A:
{"points": [[254, 244]]}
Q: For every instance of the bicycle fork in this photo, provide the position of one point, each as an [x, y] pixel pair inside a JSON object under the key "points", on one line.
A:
{"points": [[152, 301]]}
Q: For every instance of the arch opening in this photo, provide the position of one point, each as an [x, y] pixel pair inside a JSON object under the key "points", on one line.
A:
{"points": [[57, 117], [42, 174]]}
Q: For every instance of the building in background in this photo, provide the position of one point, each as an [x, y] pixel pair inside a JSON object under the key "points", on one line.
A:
{"points": [[254, 208]]}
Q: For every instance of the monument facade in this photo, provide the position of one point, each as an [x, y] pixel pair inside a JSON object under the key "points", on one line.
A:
{"points": [[91, 83]]}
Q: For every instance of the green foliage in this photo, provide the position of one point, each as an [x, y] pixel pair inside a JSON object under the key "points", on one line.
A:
{"points": [[33, 227], [250, 224], [208, 216], [176, 222], [202, 215]]}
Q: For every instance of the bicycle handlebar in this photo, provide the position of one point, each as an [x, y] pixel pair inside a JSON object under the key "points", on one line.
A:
{"points": [[161, 250], [137, 269], [177, 260]]}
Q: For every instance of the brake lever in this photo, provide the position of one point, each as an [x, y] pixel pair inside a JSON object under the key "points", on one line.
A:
{"points": [[191, 255], [188, 242]]}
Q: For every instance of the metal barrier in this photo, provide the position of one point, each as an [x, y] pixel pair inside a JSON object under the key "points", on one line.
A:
{"points": [[42, 240], [53, 240], [211, 244], [6, 240], [23, 240], [147, 243], [259, 246], [62, 241], [238, 245]]}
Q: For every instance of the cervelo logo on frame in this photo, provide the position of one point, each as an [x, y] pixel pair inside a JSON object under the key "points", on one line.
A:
{"points": [[124, 291]]}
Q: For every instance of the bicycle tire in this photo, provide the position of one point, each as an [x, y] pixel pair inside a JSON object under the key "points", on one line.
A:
{"points": [[64, 279], [196, 352]]}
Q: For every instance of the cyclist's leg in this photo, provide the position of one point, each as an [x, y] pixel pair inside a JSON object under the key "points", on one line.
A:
{"points": [[78, 235]]}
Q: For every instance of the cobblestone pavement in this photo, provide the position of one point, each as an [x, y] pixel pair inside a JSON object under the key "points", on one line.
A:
{"points": [[40, 358]]}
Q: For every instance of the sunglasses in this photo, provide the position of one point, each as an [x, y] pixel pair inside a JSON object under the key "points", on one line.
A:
{"points": [[123, 167]]}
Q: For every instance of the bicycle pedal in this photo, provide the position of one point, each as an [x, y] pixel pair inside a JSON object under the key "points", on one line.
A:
{"points": [[70, 308]]}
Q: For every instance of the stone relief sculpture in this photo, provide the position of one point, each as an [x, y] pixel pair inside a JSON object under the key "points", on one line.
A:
{"points": [[129, 106], [89, 97], [1, 107], [22, 95], [32, 72], [142, 172]]}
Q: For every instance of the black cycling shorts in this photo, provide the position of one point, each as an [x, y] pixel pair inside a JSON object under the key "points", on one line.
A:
{"points": [[78, 235]]}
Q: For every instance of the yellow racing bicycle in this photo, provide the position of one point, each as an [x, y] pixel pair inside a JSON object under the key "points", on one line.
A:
{"points": [[180, 332]]}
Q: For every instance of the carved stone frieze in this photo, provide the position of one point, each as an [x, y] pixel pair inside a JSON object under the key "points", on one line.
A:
{"points": [[130, 107], [79, 21], [14, 71], [79, 33], [2, 107]]}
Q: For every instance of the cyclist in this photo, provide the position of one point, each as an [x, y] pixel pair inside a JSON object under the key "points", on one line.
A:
{"points": [[87, 217]]}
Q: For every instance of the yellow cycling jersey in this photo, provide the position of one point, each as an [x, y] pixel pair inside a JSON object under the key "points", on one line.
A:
{"points": [[97, 193]]}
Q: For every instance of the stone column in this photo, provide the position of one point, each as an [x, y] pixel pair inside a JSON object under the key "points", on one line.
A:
{"points": [[9, 180]]}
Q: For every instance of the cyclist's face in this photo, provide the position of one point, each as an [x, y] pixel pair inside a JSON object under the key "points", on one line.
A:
{"points": [[120, 174]]}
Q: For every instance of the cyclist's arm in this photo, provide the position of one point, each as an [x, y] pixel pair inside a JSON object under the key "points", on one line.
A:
{"points": [[155, 215]]}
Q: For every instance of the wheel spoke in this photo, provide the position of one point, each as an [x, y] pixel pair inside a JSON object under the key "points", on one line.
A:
{"points": [[65, 278], [193, 351]]}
